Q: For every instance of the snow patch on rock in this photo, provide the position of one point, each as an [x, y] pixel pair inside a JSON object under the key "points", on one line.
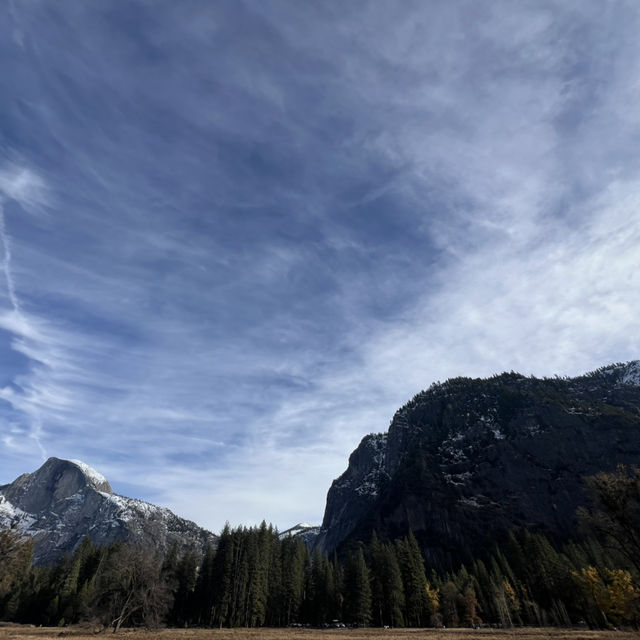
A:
{"points": [[95, 479], [303, 530], [12, 516], [632, 373]]}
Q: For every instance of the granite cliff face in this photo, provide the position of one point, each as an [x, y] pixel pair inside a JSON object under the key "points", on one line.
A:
{"points": [[66, 500], [469, 459]]}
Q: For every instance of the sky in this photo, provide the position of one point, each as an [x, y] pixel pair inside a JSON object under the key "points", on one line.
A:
{"points": [[236, 237]]}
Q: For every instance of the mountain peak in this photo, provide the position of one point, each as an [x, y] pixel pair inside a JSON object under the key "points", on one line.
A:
{"points": [[304, 531], [66, 477]]}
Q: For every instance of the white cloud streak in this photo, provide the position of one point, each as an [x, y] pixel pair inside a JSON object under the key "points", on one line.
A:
{"points": [[27, 189]]}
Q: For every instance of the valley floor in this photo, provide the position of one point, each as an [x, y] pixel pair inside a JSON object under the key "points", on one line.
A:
{"points": [[18, 632]]}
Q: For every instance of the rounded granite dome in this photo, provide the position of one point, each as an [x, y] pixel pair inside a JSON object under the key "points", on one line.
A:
{"points": [[55, 480]]}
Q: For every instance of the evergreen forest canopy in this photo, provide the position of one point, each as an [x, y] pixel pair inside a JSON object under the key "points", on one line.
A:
{"points": [[256, 578]]}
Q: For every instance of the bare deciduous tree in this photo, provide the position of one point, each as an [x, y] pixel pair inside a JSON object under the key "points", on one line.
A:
{"points": [[129, 589]]}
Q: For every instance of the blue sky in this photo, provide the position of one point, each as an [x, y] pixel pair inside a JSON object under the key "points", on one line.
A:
{"points": [[237, 236]]}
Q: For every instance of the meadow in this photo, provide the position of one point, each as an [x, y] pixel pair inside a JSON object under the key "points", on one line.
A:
{"points": [[21, 632]]}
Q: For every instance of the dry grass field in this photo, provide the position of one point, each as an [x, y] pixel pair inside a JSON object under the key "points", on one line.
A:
{"points": [[83, 633]]}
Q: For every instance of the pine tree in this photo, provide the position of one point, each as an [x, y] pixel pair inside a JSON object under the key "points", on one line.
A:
{"points": [[275, 609], [223, 571], [339, 588], [185, 577], [240, 578], [259, 565], [203, 595], [15, 562], [357, 589], [386, 585], [414, 581], [449, 604], [485, 600], [70, 604], [294, 559], [318, 594]]}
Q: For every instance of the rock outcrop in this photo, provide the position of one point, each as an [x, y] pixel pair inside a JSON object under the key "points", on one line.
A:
{"points": [[66, 500], [468, 460]]}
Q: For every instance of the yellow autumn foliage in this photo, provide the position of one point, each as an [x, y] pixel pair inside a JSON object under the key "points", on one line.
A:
{"points": [[433, 599], [615, 593]]}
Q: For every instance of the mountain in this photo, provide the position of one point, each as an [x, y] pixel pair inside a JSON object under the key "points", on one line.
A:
{"points": [[305, 532], [66, 500], [470, 459]]}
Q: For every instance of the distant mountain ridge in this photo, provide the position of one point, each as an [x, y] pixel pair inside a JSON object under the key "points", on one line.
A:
{"points": [[303, 531], [66, 500], [469, 459], [462, 463]]}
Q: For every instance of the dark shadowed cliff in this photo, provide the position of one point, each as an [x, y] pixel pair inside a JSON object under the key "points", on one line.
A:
{"points": [[470, 459]]}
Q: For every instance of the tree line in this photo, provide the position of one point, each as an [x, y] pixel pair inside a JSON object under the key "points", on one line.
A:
{"points": [[254, 578]]}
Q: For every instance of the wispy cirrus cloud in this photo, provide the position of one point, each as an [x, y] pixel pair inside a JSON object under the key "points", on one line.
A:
{"points": [[24, 187]]}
